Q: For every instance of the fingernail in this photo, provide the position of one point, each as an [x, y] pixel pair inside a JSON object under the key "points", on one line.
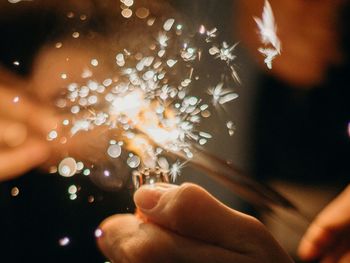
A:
{"points": [[148, 196], [306, 250]]}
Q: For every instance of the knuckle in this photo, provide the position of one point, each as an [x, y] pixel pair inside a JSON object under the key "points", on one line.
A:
{"points": [[187, 202], [187, 192]]}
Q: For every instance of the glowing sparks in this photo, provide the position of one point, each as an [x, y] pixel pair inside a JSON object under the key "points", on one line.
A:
{"points": [[224, 52], [98, 233], [114, 151], [221, 95], [269, 54], [94, 62], [175, 170], [149, 106], [52, 135], [17, 1], [162, 40], [211, 34], [15, 191], [168, 24], [72, 189], [231, 128], [64, 241], [67, 167], [268, 35]]}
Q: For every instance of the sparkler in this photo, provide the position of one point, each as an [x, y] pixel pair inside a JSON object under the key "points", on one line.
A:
{"points": [[149, 104], [154, 117], [149, 110]]}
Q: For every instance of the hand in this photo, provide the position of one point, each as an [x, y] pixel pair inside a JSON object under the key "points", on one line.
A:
{"points": [[186, 224], [24, 126], [309, 32], [328, 237]]}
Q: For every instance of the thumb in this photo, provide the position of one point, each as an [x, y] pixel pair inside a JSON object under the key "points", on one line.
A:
{"points": [[192, 212]]}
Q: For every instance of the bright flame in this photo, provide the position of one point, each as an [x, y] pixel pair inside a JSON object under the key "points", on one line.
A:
{"points": [[129, 105]]}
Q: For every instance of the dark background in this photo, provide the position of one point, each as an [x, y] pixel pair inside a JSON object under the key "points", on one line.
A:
{"points": [[298, 135]]}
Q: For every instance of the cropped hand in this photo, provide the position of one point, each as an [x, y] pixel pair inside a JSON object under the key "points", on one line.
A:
{"points": [[24, 126], [328, 237], [186, 224]]}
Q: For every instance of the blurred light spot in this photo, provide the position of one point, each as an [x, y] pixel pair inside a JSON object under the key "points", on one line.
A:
{"points": [[58, 45], [67, 167], [142, 12], [64, 241], [98, 233], [127, 13], [15, 191], [72, 189], [76, 35], [114, 151], [94, 62]]}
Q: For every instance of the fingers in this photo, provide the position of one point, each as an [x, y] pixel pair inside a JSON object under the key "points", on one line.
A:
{"points": [[329, 226], [25, 111], [12, 134], [345, 258], [186, 224], [315, 242], [127, 239], [190, 211], [16, 161]]}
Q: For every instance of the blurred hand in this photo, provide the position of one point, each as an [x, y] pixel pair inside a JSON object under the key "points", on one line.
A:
{"points": [[186, 224], [309, 33], [328, 237], [24, 126]]}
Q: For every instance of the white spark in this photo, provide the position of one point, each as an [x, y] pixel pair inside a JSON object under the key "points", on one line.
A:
{"points": [[98, 233], [114, 151], [175, 170], [211, 34], [225, 53], [268, 28], [162, 40], [268, 34], [148, 109], [221, 95], [64, 241], [67, 167], [269, 54], [168, 24], [17, 1], [16, 99]]}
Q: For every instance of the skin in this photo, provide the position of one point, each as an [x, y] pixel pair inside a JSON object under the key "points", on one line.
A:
{"points": [[25, 125], [309, 34], [23, 129], [327, 239], [170, 226], [186, 224]]}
